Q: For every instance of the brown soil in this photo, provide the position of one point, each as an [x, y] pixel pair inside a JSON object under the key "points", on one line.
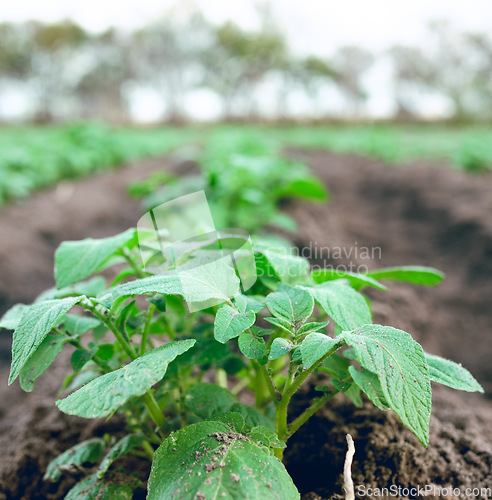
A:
{"points": [[429, 216]]}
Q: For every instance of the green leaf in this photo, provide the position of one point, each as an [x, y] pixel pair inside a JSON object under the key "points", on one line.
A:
{"points": [[78, 325], [294, 305], [206, 400], [281, 323], [184, 466], [105, 394], [42, 358], [122, 447], [353, 393], [253, 416], [164, 284], [231, 418], [247, 303], [89, 451], [399, 362], [289, 268], [230, 323], [266, 436], [315, 346], [105, 351], [304, 187], [280, 347], [76, 260], [159, 301], [209, 351], [336, 366], [312, 327], [418, 275], [369, 383], [33, 327], [283, 221], [214, 280], [80, 357], [92, 488], [452, 374], [89, 288], [232, 364], [76, 380], [343, 304], [10, 320], [356, 280], [251, 346]]}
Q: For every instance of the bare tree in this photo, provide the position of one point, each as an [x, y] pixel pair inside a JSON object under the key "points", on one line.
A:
{"points": [[168, 54], [239, 62], [350, 64], [99, 90], [54, 64], [413, 75]]}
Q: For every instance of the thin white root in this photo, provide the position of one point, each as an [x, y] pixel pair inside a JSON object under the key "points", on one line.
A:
{"points": [[347, 470]]}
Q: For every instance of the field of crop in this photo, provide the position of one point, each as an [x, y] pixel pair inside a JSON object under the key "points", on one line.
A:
{"points": [[469, 147], [36, 157], [224, 346]]}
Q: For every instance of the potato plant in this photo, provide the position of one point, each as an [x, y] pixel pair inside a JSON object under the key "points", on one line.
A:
{"points": [[179, 378], [33, 158], [245, 179]]}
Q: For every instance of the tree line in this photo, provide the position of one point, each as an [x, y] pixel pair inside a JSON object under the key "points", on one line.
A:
{"points": [[70, 73]]}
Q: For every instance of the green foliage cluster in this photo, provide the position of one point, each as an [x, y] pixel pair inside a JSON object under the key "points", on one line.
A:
{"points": [[244, 178], [177, 377], [468, 148], [32, 158]]}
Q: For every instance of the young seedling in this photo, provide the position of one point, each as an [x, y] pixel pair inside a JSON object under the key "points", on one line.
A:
{"points": [[177, 377], [244, 178]]}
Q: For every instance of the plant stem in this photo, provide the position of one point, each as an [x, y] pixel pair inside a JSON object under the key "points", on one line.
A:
{"points": [[221, 378], [305, 374], [169, 330], [309, 412], [136, 268], [281, 425], [127, 346], [272, 389], [149, 451], [150, 402], [142, 454], [290, 374], [240, 386], [145, 333], [154, 410], [76, 343], [281, 416]]}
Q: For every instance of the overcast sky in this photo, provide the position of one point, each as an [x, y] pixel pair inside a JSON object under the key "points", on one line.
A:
{"points": [[312, 25]]}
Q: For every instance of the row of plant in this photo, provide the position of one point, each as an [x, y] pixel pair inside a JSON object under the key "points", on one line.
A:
{"points": [[464, 147], [32, 158], [244, 176], [179, 378]]}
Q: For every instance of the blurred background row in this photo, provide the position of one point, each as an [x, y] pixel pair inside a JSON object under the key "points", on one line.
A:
{"points": [[184, 64]]}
